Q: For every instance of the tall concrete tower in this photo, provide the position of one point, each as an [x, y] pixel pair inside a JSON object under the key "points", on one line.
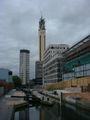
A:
{"points": [[24, 66], [42, 38]]}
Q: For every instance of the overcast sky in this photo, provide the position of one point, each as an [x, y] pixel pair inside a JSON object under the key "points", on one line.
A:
{"points": [[67, 21]]}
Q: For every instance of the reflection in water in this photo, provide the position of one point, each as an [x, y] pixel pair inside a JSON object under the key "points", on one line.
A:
{"points": [[40, 112], [34, 113], [24, 114], [16, 116], [52, 113]]}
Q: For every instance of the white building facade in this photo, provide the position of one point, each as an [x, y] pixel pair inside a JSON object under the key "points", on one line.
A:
{"points": [[53, 63], [24, 66]]}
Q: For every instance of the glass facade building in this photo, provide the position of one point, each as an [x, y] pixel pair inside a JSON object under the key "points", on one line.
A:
{"points": [[5, 75]]}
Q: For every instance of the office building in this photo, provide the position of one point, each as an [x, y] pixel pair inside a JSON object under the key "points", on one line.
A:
{"points": [[77, 60], [24, 66], [38, 72], [53, 63], [5, 75]]}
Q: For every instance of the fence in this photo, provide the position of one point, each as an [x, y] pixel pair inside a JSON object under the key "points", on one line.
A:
{"points": [[83, 82]]}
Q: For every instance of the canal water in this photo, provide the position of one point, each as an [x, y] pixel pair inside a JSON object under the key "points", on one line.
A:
{"points": [[54, 112]]}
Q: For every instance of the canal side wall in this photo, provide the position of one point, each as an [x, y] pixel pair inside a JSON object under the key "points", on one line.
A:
{"points": [[77, 103], [72, 101], [83, 82]]}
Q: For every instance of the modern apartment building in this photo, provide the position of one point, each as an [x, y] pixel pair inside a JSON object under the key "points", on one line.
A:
{"points": [[24, 66], [53, 63]]}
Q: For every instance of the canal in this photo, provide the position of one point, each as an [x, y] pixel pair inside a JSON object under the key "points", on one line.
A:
{"points": [[54, 112]]}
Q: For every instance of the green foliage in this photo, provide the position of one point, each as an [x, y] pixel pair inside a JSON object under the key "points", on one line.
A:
{"points": [[17, 81]]}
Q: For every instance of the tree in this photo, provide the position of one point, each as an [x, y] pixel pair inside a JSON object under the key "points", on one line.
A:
{"points": [[17, 81]]}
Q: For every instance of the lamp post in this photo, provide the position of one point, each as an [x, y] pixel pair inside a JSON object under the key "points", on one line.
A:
{"points": [[60, 105]]}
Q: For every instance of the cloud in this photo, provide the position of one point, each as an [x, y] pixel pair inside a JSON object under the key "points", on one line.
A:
{"points": [[67, 21]]}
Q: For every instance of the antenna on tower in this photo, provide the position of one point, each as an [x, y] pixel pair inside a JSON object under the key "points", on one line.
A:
{"points": [[41, 14]]}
